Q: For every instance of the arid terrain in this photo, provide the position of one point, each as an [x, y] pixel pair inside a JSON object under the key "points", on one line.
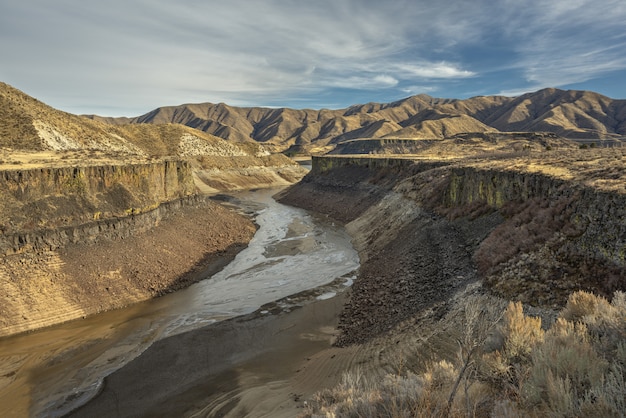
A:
{"points": [[456, 207], [91, 213], [571, 114], [439, 241]]}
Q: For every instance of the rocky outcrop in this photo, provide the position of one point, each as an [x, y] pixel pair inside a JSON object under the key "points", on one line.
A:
{"points": [[215, 174], [75, 241], [460, 145], [73, 272], [111, 228], [54, 197], [426, 229]]}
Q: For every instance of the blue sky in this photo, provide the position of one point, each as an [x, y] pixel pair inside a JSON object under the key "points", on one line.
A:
{"points": [[127, 57]]}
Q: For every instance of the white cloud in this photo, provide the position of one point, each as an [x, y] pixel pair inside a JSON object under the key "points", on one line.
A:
{"points": [[139, 54], [419, 89], [357, 82], [564, 41], [434, 70]]}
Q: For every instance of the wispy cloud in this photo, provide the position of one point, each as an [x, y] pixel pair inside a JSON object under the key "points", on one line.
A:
{"points": [[134, 55], [566, 41]]}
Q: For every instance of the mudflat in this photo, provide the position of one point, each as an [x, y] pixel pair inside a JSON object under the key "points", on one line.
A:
{"points": [[262, 364]]}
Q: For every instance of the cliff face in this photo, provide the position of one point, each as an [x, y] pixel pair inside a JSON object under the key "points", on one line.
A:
{"points": [[596, 220], [55, 197], [71, 272], [425, 229], [75, 241]]}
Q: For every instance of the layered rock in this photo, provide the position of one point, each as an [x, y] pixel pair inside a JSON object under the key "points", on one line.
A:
{"points": [[425, 230], [75, 241]]}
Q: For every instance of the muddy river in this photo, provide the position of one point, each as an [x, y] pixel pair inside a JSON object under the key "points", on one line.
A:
{"points": [[50, 372]]}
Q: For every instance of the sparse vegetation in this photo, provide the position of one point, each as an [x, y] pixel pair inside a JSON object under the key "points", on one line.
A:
{"points": [[575, 367]]}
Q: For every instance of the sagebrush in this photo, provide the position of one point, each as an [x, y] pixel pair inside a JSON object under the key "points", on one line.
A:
{"points": [[576, 367]]}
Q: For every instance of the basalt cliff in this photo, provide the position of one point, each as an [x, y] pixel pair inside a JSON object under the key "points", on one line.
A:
{"points": [[526, 228]]}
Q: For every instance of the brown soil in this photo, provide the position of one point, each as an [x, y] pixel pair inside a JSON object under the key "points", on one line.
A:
{"points": [[50, 287], [272, 364], [262, 364], [169, 257]]}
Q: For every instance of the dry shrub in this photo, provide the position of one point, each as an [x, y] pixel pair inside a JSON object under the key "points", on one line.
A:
{"points": [[440, 374], [605, 321], [575, 368], [528, 224], [506, 368], [564, 368], [392, 396], [579, 305], [522, 333]]}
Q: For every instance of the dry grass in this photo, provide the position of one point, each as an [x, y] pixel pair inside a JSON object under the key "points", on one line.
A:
{"points": [[577, 367], [599, 168]]}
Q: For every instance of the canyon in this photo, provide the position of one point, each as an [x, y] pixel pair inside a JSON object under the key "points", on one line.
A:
{"points": [[94, 218], [434, 239], [447, 202], [428, 229]]}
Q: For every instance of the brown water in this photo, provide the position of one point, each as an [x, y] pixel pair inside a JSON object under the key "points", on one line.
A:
{"points": [[49, 372]]}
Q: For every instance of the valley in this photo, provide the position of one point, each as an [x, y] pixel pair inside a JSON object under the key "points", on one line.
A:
{"points": [[448, 203]]}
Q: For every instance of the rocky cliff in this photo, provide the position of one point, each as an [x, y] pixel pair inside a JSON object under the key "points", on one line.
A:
{"points": [[95, 217], [52, 197], [427, 229], [79, 240]]}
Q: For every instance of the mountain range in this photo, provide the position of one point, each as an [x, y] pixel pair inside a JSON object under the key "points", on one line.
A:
{"points": [[571, 114], [220, 129]]}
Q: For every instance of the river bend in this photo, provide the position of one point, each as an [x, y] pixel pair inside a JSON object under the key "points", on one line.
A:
{"points": [[49, 372]]}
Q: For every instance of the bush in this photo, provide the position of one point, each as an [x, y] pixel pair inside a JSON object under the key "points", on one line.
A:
{"points": [[575, 368], [527, 226]]}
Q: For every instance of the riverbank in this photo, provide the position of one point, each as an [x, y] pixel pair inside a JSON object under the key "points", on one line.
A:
{"points": [[288, 246], [49, 287], [421, 229], [264, 364]]}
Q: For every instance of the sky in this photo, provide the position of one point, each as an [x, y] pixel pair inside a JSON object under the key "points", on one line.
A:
{"points": [[127, 57]]}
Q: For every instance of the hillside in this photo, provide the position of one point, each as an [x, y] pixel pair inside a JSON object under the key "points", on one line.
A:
{"points": [[95, 216], [491, 144], [30, 127], [570, 114]]}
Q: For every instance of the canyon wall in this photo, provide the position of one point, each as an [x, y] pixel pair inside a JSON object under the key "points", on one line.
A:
{"points": [[53, 197], [596, 219], [425, 229], [75, 241]]}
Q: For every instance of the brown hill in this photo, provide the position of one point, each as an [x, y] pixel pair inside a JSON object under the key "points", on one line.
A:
{"points": [[571, 114], [30, 126]]}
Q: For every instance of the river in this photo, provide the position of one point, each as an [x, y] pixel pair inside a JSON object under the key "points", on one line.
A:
{"points": [[49, 372]]}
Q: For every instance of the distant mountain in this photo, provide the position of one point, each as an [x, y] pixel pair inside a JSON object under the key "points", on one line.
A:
{"points": [[26, 124], [571, 114]]}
